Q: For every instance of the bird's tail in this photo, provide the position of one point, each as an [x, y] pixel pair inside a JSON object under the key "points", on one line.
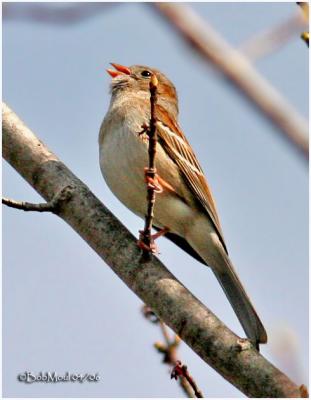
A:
{"points": [[240, 301]]}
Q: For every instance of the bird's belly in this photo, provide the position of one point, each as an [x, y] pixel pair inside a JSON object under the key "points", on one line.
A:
{"points": [[123, 157], [122, 162]]}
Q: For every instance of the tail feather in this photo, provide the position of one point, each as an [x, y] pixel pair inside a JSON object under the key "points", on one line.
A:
{"points": [[210, 251], [240, 301]]}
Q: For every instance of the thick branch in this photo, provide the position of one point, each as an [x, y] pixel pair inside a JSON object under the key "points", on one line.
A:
{"points": [[153, 283], [239, 71]]}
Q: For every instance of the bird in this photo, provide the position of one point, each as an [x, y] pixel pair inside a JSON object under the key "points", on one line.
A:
{"points": [[185, 209]]}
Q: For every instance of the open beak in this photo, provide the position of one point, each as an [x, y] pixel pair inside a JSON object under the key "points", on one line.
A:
{"points": [[120, 70]]}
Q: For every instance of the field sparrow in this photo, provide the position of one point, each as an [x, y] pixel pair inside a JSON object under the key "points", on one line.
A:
{"points": [[185, 208]]}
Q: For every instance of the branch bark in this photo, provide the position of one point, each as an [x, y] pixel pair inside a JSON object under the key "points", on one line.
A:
{"points": [[248, 370], [239, 71]]}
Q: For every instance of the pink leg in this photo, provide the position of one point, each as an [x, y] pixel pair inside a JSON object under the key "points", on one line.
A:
{"points": [[153, 247], [153, 183]]}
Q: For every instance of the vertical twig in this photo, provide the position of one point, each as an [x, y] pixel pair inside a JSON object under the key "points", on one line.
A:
{"points": [[150, 172]]}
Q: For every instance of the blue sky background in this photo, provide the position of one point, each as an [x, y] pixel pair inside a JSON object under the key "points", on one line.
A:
{"points": [[63, 308]]}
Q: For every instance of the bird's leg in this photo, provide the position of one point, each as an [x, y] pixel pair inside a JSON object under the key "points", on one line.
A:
{"points": [[153, 247], [160, 233]]}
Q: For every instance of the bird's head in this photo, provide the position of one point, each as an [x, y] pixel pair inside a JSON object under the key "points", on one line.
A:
{"points": [[136, 79]]}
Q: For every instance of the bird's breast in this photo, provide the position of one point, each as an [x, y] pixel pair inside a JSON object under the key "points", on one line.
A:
{"points": [[123, 158]]}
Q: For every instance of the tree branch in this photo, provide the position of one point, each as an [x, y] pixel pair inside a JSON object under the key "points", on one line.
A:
{"points": [[248, 370], [239, 71], [50, 206]]}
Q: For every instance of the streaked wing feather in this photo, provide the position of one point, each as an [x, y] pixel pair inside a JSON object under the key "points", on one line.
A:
{"points": [[178, 148]]}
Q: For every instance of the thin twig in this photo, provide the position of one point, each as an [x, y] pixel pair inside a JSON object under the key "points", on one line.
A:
{"points": [[169, 350], [25, 206], [305, 37], [239, 71], [151, 171], [270, 40], [181, 370], [304, 394], [50, 206], [304, 5], [305, 11]]}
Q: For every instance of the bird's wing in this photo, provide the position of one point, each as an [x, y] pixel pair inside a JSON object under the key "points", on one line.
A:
{"points": [[178, 148]]}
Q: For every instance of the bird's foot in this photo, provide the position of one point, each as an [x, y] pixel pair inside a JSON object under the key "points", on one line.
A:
{"points": [[144, 129], [160, 233], [152, 183], [152, 248]]}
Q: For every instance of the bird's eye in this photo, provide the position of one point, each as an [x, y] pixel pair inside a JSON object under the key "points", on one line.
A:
{"points": [[146, 73]]}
